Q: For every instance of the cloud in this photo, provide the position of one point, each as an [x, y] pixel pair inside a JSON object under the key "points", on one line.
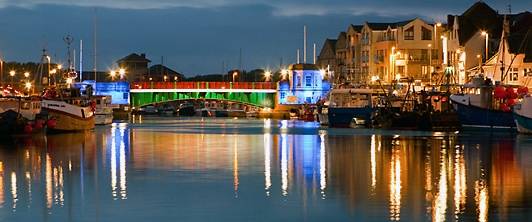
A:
{"points": [[285, 8]]}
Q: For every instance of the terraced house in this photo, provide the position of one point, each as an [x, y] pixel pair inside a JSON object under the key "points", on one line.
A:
{"points": [[387, 51]]}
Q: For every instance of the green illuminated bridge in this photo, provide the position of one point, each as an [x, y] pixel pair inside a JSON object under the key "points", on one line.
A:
{"points": [[260, 94]]}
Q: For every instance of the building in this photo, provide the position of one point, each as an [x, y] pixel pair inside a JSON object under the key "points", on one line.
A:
{"points": [[512, 62], [135, 65], [162, 73], [385, 50], [474, 38], [304, 84], [327, 57]]}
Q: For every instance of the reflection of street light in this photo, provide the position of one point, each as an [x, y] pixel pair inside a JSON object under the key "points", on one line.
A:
{"points": [[485, 34]]}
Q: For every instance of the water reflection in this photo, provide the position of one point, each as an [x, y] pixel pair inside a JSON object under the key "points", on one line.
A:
{"points": [[302, 176]]}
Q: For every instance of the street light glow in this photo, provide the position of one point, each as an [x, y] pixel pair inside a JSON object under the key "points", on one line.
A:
{"points": [[483, 33], [122, 71], [112, 73], [12, 73], [26, 74], [28, 85], [59, 66], [267, 75]]}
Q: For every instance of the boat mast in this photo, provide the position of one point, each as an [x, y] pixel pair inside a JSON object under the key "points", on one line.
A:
{"points": [[94, 67]]}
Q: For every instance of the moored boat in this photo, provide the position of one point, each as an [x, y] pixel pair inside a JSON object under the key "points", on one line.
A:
{"points": [[21, 115], [72, 113], [104, 110], [349, 107], [483, 105], [523, 115]]}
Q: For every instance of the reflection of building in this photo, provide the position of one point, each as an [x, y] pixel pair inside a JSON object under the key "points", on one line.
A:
{"points": [[305, 85]]}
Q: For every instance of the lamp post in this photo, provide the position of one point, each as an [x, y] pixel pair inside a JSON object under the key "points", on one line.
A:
{"points": [[234, 75], [48, 80], [486, 35], [430, 63]]}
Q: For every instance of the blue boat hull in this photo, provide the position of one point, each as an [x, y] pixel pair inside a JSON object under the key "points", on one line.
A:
{"points": [[472, 116], [342, 117], [524, 124]]}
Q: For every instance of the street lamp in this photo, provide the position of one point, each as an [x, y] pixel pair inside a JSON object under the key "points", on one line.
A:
{"points": [[267, 76], [284, 73], [26, 74], [486, 35], [122, 72], [165, 77], [112, 73], [175, 78], [12, 74]]}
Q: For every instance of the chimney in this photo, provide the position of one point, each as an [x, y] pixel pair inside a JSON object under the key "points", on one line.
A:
{"points": [[143, 55]]}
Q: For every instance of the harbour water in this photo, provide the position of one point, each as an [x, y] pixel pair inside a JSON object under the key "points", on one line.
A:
{"points": [[167, 169]]}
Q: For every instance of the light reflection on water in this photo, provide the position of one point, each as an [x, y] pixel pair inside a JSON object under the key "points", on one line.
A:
{"points": [[259, 170]]}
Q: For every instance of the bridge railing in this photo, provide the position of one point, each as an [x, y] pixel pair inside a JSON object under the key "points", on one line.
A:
{"points": [[203, 85]]}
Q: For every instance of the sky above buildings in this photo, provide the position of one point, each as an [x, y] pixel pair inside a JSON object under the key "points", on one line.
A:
{"points": [[198, 36]]}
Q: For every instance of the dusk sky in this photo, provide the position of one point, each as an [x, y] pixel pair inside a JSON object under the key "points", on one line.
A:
{"points": [[196, 36]]}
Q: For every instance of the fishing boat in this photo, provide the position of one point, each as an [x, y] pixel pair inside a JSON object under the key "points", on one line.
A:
{"points": [[71, 111], [352, 107], [484, 105], [22, 115], [104, 110], [523, 115]]}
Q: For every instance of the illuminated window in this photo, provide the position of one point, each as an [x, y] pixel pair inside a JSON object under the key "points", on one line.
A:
{"points": [[514, 74]]}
